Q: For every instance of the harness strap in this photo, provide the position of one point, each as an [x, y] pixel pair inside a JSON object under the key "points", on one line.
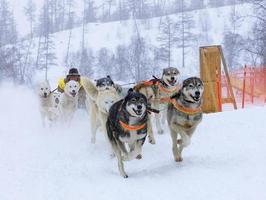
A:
{"points": [[132, 128], [166, 90], [188, 111]]}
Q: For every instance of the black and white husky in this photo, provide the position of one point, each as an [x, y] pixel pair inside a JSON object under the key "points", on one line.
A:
{"points": [[127, 128], [184, 114]]}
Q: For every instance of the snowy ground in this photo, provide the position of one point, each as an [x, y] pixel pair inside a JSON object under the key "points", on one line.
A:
{"points": [[226, 159]]}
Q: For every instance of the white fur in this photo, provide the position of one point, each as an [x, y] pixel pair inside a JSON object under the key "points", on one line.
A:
{"points": [[69, 101], [49, 113], [100, 101]]}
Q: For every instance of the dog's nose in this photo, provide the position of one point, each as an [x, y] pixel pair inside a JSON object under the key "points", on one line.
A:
{"points": [[73, 91], [197, 93], [45, 94], [172, 78], [139, 107]]}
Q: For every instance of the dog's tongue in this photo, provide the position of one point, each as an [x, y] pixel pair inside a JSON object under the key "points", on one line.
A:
{"points": [[172, 82]]}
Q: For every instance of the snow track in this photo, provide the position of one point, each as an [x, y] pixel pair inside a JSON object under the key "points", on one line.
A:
{"points": [[226, 159]]}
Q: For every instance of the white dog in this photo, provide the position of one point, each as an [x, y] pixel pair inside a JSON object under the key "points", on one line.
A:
{"points": [[48, 109], [101, 97], [69, 101]]}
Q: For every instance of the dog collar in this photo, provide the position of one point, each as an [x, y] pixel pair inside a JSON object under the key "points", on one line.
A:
{"points": [[167, 91], [189, 111], [131, 128]]}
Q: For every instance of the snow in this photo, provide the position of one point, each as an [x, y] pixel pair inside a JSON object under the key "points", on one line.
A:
{"points": [[225, 161]]}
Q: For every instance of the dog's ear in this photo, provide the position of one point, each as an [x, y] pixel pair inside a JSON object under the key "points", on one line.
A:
{"points": [[130, 90], [108, 76]]}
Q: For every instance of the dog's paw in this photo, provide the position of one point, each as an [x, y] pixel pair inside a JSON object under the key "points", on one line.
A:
{"points": [[152, 140], [125, 176], [178, 159], [160, 132], [139, 157]]}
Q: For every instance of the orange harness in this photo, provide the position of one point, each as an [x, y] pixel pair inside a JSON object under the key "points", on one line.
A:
{"points": [[188, 111], [167, 91], [132, 128]]}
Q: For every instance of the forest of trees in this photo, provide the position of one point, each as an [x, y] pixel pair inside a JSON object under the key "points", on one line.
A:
{"points": [[136, 60]]}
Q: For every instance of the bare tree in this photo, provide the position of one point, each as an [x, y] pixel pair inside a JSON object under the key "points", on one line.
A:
{"points": [[167, 39], [30, 12]]}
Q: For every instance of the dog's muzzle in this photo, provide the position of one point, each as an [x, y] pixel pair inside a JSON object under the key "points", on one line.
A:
{"points": [[138, 111], [196, 97], [172, 81], [73, 94]]}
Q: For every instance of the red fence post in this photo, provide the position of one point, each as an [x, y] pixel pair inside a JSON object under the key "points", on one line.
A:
{"points": [[252, 79], [244, 87]]}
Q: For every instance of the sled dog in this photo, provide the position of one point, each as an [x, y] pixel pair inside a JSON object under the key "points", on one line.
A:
{"points": [[184, 114], [101, 97], [69, 101], [127, 128], [157, 92], [49, 113]]}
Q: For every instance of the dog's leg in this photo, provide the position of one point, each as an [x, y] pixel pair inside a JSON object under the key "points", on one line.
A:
{"points": [[163, 117], [118, 154], [158, 123], [175, 146], [150, 132], [93, 122], [135, 151], [183, 142], [103, 120]]}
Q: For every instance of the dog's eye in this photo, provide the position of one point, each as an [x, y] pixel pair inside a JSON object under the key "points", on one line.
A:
{"points": [[199, 85], [133, 100], [191, 86], [141, 100]]}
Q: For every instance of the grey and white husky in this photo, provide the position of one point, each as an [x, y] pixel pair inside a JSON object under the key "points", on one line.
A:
{"points": [[156, 91], [184, 114], [127, 128]]}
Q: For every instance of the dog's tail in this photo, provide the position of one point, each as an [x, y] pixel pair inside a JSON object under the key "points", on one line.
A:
{"points": [[89, 87]]}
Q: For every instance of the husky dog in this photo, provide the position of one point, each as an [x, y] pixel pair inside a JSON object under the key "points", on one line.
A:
{"points": [[46, 99], [127, 127], [69, 101], [184, 114], [44, 91], [101, 97], [157, 91]]}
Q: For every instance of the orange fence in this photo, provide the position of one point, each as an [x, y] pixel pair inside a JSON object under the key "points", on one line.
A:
{"points": [[249, 85]]}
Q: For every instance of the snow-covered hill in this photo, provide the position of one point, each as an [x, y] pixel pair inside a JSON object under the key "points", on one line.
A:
{"points": [[110, 35], [226, 159]]}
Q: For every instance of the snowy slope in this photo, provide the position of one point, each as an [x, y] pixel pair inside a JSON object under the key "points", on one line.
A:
{"points": [[110, 35], [226, 160]]}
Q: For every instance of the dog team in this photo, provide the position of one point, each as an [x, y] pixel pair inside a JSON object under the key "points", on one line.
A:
{"points": [[126, 120]]}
